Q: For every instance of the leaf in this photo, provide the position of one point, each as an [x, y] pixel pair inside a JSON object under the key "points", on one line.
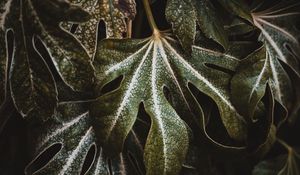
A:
{"points": [[4, 13], [279, 32], [250, 81], [3, 66], [238, 27], [184, 15], [237, 7], [76, 137], [74, 131], [32, 85], [281, 82], [286, 164], [112, 12], [41, 20], [148, 66], [249, 84], [199, 161], [262, 128], [25, 74]]}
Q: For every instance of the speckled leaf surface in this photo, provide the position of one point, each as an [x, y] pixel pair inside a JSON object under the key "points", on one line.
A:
{"points": [[148, 66], [5, 6], [76, 137], [279, 32], [72, 128], [112, 12], [41, 20], [216, 87], [32, 84], [249, 83], [281, 82], [185, 15]]}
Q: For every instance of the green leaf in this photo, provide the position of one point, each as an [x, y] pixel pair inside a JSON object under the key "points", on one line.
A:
{"points": [[41, 20], [281, 83], [3, 66], [262, 128], [148, 66], [238, 27], [76, 137], [279, 32], [249, 84], [237, 7], [184, 15], [112, 12], [286, 164], [72, 128], [32, 85], [4, 15]]}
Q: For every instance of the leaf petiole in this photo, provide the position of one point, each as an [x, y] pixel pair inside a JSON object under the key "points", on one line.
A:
{"points": [[150, 17], [283, 143]]}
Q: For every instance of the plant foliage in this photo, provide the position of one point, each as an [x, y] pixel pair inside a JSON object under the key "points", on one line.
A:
{"points": [[205, 87]]}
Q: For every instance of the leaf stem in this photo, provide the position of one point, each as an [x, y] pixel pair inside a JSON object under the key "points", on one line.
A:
{"points": [[150, 17], [283, 143], [129, 28]]}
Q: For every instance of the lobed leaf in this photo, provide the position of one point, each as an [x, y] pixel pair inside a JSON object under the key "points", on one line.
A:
{"points": [[112, 12], [279, 32], [32, 85], [249, 84], [185, 15], [148, 66], [72, 128], [76, 137]]}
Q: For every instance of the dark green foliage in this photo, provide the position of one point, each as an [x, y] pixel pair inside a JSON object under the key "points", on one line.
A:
{"points": [[86, 89]]}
